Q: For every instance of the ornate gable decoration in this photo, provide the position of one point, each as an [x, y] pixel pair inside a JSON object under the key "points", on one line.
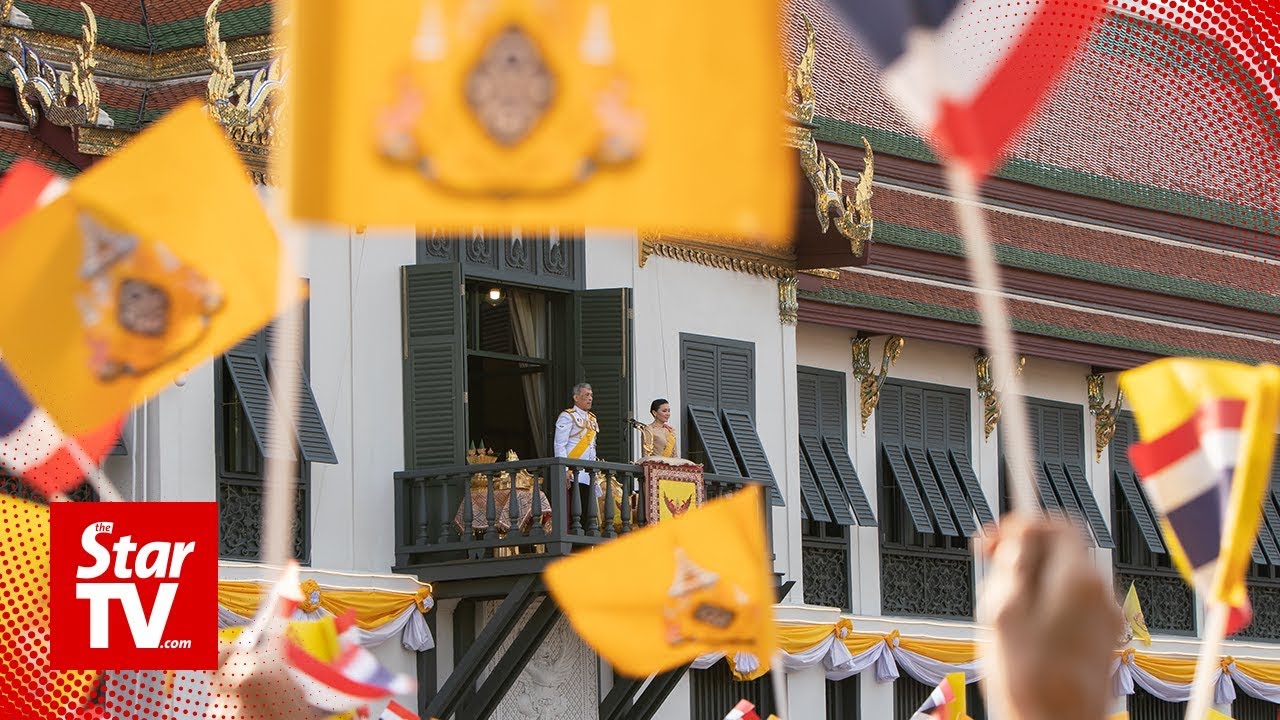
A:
{"points": [[68, 99], [246, 107], [851, 217]]}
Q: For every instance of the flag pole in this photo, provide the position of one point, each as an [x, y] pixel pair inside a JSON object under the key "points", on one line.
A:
{"points": [[1203, 685], [286, 359], [997, 333], [778, 677]]}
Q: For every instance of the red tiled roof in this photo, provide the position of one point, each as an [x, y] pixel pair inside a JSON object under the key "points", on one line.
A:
{"points": [[1141, 104]]}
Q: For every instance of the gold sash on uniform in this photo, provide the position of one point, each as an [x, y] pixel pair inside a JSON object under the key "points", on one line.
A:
{"points": [[584, 442]]}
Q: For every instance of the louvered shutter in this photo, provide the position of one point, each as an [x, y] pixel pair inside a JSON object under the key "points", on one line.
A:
{"points": [[603, 344], [701, 374], [913, 425], [814, 506], [737, 380], [434, 365], [1126, 433], [248, 373], [824, 457], [958, 452], [745, 439], [889, 429], [935, 407], [1073, 453]]}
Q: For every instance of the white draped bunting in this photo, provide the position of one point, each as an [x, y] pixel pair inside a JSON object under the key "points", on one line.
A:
{"points": [[410, 625]]}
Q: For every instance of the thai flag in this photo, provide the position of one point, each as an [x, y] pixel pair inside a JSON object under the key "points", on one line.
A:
{"points": [[971, 73], [1187, 474], [744, 710], [351, 680], [396, 711], [31, 444]]}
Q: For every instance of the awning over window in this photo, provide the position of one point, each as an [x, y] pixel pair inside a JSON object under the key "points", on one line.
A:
{"points": [[826, 460]]}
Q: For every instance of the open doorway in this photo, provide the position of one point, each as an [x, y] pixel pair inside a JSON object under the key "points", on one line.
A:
{"points": [[510, 366]]}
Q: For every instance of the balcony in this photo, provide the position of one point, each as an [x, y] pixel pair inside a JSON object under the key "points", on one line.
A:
{"points": [[499, 532]]}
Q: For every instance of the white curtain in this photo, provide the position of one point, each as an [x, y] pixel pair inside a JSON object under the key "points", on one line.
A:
{"points": [[529, 319]]}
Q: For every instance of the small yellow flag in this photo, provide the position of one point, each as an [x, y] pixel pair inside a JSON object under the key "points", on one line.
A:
{"points": [[1215, 715], [1119, 716], [451, 115], [1133, 616], [666, 594], [155, 260]]}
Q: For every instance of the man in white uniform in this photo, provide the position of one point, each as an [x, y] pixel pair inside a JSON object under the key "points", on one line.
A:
{"points": [[576, 431]]}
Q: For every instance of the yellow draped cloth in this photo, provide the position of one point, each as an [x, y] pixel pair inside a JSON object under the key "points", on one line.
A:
{"points": [[372, 608]]}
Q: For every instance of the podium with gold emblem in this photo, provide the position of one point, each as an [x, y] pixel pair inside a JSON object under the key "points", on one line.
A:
{"points": [[671, 488]]}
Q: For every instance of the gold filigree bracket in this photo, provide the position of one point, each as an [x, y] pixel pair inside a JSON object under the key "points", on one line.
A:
{"points": [[248, 108], [728, 256], [66, 99], [988, 392], [852, 217], [869, 381], [788, 301], [1104, 415]]}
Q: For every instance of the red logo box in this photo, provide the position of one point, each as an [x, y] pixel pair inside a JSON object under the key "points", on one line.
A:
{"points": [[133, 586]]}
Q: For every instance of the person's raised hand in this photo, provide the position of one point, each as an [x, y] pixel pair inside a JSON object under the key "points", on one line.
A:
{"points": [[1055, 623]]}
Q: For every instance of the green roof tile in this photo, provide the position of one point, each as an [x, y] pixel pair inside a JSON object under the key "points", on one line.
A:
{"points": [[116, 33]]}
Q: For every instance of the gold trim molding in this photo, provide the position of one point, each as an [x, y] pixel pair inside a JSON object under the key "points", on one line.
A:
{"points": [[65, 98], [988, 392], [852, 218], [1104, 415], [870, 381], [721, 257]]}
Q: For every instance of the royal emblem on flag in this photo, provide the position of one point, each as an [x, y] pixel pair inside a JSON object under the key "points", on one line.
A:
{"points": [[523, 88], [701, 607], [139, 303]]}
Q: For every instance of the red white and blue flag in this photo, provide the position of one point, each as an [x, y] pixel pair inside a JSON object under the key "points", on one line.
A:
{"points": [[31, 444], [744, 710], [946, 702], [1208, 432], [396, 711], [351, 680], [971, 73]]}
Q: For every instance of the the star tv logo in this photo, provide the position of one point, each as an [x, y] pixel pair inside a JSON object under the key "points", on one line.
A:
{"points": [[133, 586]]}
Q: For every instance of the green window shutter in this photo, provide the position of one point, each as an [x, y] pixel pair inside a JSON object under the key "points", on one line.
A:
{"points": [[913, 423], [737, 378], [1048, 499], [603, 342], [313, 436], [249, 375], [434, 365], [935, 407], [1134, 496], [889, 429], [811, 451], [843, 465], [704, 423], [1073, 462], [958, 451], [831, 406], [750, 451], [807, 402], [701, 375]]}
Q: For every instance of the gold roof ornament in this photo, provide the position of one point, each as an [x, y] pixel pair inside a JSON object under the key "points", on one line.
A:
{"points": [[989, 393], [66, 99], [852, 218], [247, 108], [1104, 413]]}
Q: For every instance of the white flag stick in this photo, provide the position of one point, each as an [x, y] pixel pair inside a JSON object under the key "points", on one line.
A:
{"points": [[286, 357], [1203, 685], [997, 333], [778, 676]]}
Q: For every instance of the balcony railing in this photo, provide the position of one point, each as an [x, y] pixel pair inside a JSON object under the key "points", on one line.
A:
{"points": [[521, 509]]}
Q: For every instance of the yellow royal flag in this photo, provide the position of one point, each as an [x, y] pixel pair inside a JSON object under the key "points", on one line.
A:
{"points": [[155, 260], [1208, 434], [1215, 715], [663, 595], [1133, 618], [451, 114]]}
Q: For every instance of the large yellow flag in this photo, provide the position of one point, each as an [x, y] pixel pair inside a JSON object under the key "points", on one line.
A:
{"points": [[453, 114], [155, 260], [666, 594], [1208, 434]]}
